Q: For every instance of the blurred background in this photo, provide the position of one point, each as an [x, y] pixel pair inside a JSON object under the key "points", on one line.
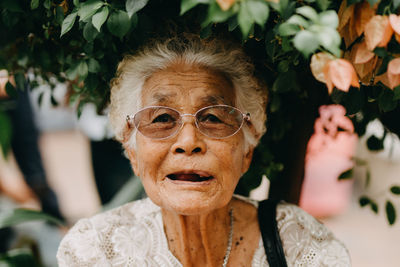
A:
{"points": [[71, 168]]}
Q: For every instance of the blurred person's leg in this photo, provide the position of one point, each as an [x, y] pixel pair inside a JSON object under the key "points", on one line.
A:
{"points": [[25, 147]]}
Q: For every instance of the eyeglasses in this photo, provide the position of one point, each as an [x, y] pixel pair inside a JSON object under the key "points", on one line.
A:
{"points": [[158, 122]]}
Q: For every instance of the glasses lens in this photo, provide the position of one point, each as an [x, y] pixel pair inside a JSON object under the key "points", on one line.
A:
{"points": [[157, 122], [219, 121]]}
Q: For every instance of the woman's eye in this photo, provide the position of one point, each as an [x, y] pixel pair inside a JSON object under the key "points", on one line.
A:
{"points": [[210, 118], [163, 118]]}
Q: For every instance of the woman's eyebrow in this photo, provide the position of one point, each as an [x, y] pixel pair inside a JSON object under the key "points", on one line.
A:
{"points": [[160, 98], [213, 99]]}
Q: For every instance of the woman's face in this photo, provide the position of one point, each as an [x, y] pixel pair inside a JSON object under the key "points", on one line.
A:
{"points": [[172, 170]]}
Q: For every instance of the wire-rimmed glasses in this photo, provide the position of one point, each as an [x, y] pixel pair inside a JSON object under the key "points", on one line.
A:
{"points": [[160, 122]]}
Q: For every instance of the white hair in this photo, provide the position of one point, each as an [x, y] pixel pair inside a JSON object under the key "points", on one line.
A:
{"points": [[218, 55]]}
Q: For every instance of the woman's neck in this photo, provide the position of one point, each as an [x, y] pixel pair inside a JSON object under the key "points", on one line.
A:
{"points": [[199, 240]]}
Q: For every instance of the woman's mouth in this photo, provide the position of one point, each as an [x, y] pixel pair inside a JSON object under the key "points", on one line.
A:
{"points": [[190, 176]]}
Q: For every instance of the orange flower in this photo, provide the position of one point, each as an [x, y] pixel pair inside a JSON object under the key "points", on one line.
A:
{"points": [[361, 54], [352, 20], [364, 61], [395, 23], [378, 32], [393, 73], [391, 78], [225, 4], [318, 62], [341, 74]]}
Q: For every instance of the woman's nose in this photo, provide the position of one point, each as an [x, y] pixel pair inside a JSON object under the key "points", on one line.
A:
{"points": [[189, 141]]}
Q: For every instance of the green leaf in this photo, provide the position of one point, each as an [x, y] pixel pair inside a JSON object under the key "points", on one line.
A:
{"points": [[330, 39], [133, 6], [383, 68], [216, 15], [396, 92], [287, 29], [354, 100], [17, 216], [59, 14], [93, 65], [323, 4], [91, 82], [5, 133], [306, 42], [34, 4], [396, 3], [72, 72], [329, 18], [68, 23], [100, 17], [186, 5], [386, 100], [18, 257], [275, 103], [119, 23], [374, 143], [286, 81], [284, 7], [395, 190], [259, 11], [82, 69], [346, 175], [90, 32], [245, 19], [390, 213], [89, 8], [380, 52], [373, 2], [283, 66], [308, 12], [298, 20], [206, 31], [232, 23], [47, 4]]}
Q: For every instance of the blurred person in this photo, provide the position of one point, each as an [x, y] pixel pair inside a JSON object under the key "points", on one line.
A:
{"points": [[24, 144]]}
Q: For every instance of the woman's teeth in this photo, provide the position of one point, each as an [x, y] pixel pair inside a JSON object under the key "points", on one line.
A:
{"points": [[191, 177]]}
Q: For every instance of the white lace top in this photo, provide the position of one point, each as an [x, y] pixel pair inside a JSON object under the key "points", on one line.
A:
{"points": [[133, 235]]}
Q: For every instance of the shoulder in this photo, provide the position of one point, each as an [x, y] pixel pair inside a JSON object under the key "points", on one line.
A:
{"points": [[97, 240], [306, 241]]}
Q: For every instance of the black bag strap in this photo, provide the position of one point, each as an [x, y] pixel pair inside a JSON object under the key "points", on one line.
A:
{"points": [[270, 234]]}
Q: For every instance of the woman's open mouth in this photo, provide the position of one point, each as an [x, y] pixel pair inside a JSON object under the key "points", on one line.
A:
{"points": [[190, 176]]}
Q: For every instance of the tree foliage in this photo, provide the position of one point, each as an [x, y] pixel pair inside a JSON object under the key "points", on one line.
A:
{"points": [[310, 52]]}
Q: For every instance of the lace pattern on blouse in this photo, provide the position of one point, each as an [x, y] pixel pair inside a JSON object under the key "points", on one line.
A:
{"points": [[133, 235]]}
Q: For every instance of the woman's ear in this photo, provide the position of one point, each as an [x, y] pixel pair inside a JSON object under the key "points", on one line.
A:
{"points": [[247, 160], [131, 153]]}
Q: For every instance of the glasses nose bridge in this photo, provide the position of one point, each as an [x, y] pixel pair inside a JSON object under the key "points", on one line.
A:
{"points": [[188, 115]]}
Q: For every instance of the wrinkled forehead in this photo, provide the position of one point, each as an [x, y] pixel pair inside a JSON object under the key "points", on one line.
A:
{"points": [[194, 86]]}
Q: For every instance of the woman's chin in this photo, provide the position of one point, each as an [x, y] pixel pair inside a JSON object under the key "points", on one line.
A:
{"points": [[193, 203]]}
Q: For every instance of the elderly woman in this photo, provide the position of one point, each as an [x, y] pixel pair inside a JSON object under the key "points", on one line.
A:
{"points": [[189, 113]]}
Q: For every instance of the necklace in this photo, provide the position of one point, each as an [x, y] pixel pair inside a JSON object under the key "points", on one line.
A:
{"points": [[229, 248]]}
